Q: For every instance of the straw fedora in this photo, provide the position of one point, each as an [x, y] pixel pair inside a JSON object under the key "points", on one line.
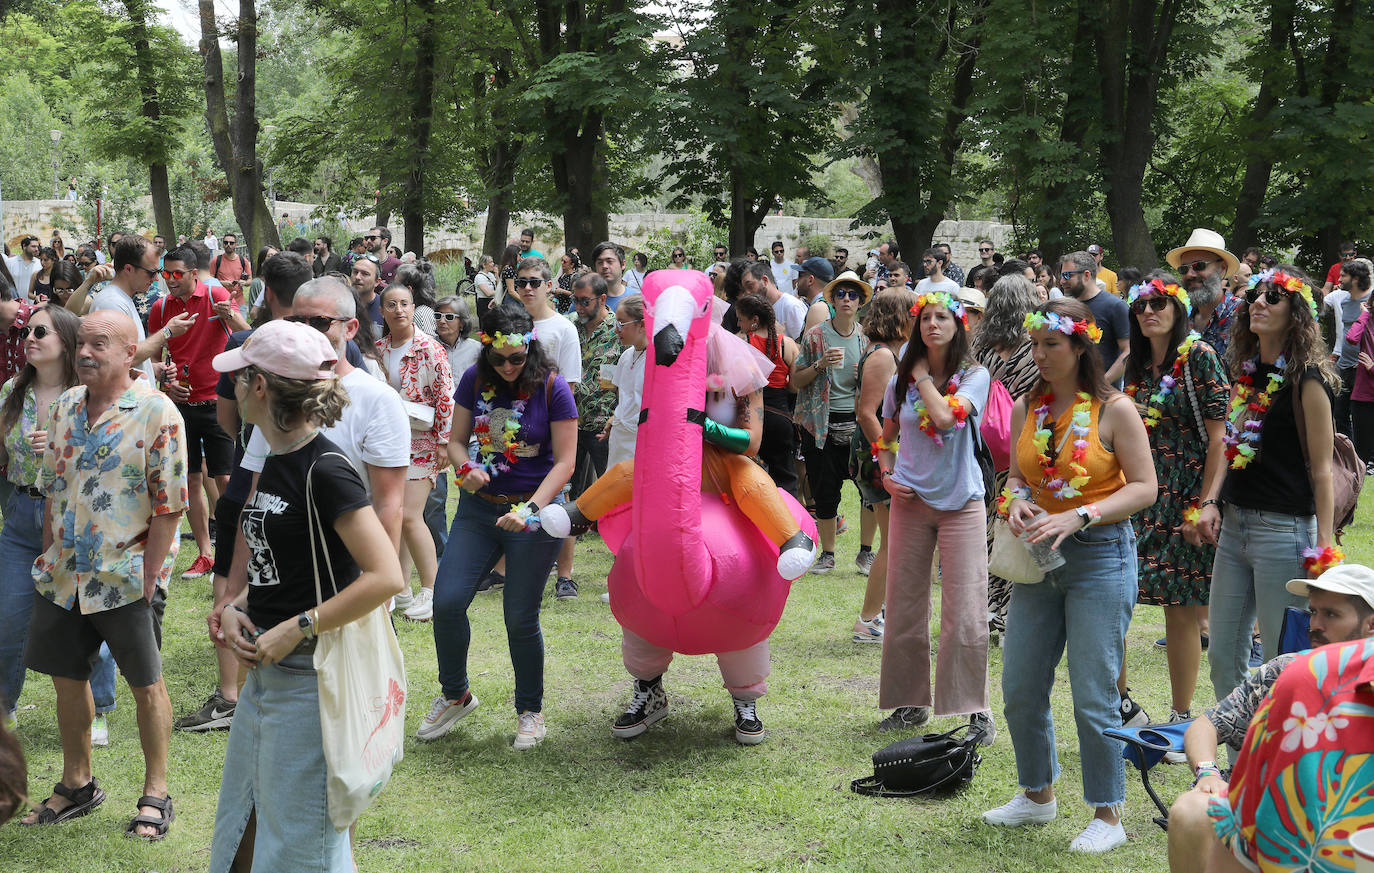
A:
{"points": [[849, 277], [973, 299], [1205, 240]]}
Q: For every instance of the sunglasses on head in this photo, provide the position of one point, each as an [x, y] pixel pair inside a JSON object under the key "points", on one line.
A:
{"points": [[1155, 302], [513, 360], [321, 323], [1196, 266], [37, 332], [446, 316], [1272, 296], [523, 282], [369, 257], [846, 293]]}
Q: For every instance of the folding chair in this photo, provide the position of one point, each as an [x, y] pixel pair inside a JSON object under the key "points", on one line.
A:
{"points": [[1146, 746]]}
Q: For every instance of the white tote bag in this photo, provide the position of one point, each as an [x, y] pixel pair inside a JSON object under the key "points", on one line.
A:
{"points": [[362, 688]]}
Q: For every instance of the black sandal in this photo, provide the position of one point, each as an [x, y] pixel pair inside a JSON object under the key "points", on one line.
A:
{"points": [[84, 800], [162, 805]]}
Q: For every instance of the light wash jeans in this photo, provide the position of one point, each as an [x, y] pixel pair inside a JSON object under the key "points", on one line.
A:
{"points": [[1086, 605], [1257, 553]]}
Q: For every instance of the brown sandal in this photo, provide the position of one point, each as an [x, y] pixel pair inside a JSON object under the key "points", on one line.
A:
{"points": [[84, 800], [162, 805]]}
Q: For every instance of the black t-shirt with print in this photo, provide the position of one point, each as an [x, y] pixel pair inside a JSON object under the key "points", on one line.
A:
{"points": [[281, 578]]}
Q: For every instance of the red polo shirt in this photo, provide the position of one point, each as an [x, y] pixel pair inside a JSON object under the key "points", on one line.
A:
{"points": [[12, 356], [199, 345]]}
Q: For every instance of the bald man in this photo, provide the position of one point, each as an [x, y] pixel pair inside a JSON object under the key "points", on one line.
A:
{"points": [[114, 475]]}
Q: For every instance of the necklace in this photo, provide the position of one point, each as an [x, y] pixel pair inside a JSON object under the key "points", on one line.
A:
{"points": [[1079, 427], [956, 406], [1243, 430], [294, 445], [490, 459], [1154, 410]]}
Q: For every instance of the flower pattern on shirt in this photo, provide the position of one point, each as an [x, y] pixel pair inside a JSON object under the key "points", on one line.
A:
{"points": [[24, 463], [601, 346], [426, 378], [105, 482]]}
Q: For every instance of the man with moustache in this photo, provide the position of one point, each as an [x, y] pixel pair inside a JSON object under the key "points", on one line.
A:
{"points": [[114, 473], [1203, 264]]}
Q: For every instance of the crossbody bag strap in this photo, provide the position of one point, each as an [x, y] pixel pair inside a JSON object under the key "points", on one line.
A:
{"points": [[1192, 400], [313, 522], [1300, 419]]}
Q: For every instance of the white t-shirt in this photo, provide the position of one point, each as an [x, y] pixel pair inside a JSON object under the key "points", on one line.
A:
{"points": [[112, 297], [373, 430], [211, 243], [947, 285], [782, 275], [628, 380], [485, 283], [23, 271], [791, 313], [558, 336], [393, 363]]}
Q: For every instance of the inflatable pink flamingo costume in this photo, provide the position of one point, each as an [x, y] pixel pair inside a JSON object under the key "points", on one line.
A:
{"points": [[693, 572]]}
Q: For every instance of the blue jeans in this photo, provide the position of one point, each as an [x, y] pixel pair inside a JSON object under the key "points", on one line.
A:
{"points": [[477, 543], [1257, 553], [435, 516], [1086, 605], [21, 542]]}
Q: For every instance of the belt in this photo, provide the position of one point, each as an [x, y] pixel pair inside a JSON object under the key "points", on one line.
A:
{"points": [[503, 499], [198, 403]]}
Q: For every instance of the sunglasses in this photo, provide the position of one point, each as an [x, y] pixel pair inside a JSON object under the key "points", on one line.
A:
{"points": [[678, 255], [528, 283], [985, 250], [621, 325], [1067, 273], [1196, 266], [1156, 303], [174, 274], [151, 273], [322, 323], [446, 316], [846, 293], [1272, 296], [369, 257], [371, 237], [1347, 254], [511, 360], [37, 332]]}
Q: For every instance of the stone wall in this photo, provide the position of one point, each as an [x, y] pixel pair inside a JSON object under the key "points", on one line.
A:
{"points": [[629, 229]]}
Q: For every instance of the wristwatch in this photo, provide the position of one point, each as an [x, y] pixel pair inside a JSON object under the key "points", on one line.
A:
{"points": [[306, 624], [1083, 513]]}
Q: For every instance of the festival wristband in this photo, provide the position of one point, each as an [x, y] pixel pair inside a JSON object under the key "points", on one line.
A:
{"points": [[1210, 501], [732, 439], [1320, 560], [1095, 513]]}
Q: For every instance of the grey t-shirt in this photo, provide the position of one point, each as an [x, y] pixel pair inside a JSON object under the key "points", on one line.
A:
{"points": [[1350, 313], [843, 378], [929, 286], [112, 297], [946, 477]]}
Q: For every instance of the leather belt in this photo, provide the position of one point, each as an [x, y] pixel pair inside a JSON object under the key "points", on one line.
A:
{"points": [[504, 499]]}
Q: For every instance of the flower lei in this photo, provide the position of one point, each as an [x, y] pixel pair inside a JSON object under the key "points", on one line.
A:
{"points": [[499, 339], [1063, 324], [489, 459], [956, 406], [1157, 286], [1243, 437], [1007, 496], [882, 445], [1192, 512], [1320, 560], [941, 298], [1154, 410], [1079, 426], [1290, 283], [527, 514]]}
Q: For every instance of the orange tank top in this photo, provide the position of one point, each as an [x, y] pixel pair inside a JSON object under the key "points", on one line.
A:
{"points": [[1104, 473], [781, 374]]}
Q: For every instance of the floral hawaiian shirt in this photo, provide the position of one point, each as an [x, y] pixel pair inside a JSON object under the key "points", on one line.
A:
{"points": [[24, 463], [1217, 333], [601, 346], [1301, 784], [105, 482]]}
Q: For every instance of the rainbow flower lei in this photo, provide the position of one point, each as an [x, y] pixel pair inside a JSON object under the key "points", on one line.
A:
{"points": [[1290, 283], [941, 298], [489, 459], [1063, 324], [1154, 410], [1243, 430], [956, 406], [499, 339], [1320, 560], [1157, 286], [882, 445], [1079, 425]]}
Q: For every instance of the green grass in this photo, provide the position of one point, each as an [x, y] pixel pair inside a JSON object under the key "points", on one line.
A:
{"points": [[683, 797]]}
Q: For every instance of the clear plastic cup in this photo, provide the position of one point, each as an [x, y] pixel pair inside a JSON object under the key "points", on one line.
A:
{"points": [[1045, 555], [605, 374]]}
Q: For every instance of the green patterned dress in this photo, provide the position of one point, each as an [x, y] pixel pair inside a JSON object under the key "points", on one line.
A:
{"points": [[1172, 572]]}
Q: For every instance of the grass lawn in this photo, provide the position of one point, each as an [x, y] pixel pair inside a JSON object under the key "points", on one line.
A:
{"points": [[684, 796]]}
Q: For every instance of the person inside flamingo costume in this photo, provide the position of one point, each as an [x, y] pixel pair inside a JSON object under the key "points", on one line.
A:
{"points": [[706, 545]]}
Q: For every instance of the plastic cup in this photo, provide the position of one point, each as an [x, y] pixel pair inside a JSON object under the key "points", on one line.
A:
{"points": [[604, 375], [1045, 555], [1362, 844]]}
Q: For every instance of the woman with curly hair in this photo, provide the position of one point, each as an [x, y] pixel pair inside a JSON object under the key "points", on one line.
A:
{"points": [[1277, 491]]}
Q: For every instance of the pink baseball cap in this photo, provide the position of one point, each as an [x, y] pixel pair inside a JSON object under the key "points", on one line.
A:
{"points": [[283, 348]]}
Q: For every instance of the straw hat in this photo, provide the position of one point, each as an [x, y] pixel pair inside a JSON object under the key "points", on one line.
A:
{"points": [[849, 277], [973, 299], [1204, 240]]}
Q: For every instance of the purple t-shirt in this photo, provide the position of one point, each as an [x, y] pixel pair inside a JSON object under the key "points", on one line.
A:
{"points": [[535, 456]]}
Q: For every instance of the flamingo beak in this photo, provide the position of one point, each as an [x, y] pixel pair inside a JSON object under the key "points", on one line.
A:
{"points": [[673, 313]]}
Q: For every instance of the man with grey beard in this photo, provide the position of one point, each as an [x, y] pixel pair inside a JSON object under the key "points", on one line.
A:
{"points": [[1203, 263]]}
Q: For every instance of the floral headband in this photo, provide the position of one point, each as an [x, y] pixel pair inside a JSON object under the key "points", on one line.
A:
{"points": [[940, 298], [1063, 324], [1291, 284], [1157, 286], [506, 339]]}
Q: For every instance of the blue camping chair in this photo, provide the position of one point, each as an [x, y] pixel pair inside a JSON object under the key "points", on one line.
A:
{"points": [[1146, 746]]}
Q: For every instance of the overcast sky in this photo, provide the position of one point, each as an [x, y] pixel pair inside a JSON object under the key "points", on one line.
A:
{"points": [[183, 15]]}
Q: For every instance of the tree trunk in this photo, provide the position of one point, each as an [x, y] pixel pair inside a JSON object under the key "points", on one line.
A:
{"points": [[1260, 164], [580, 176], [421, 124], [152, 110]]}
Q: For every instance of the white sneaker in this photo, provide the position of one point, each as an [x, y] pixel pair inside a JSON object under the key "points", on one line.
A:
{"points": [[529, 730], [605, 597], [1099, 837], [100, 731], [403, 600], [422, 607], [443, 715], [1021, 810]]}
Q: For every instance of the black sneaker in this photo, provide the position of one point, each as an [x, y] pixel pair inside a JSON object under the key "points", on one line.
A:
{"points": [[981, 727], [565, 588], [748, 728], [494, 581], [648, 705], [216, 715], [1132, 715], [905, 718]]}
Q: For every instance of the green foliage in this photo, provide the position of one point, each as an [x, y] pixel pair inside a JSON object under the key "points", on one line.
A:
{"points": [[200, 194], [817, 243], [26, 158], [119, 205], [699, 234]]}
